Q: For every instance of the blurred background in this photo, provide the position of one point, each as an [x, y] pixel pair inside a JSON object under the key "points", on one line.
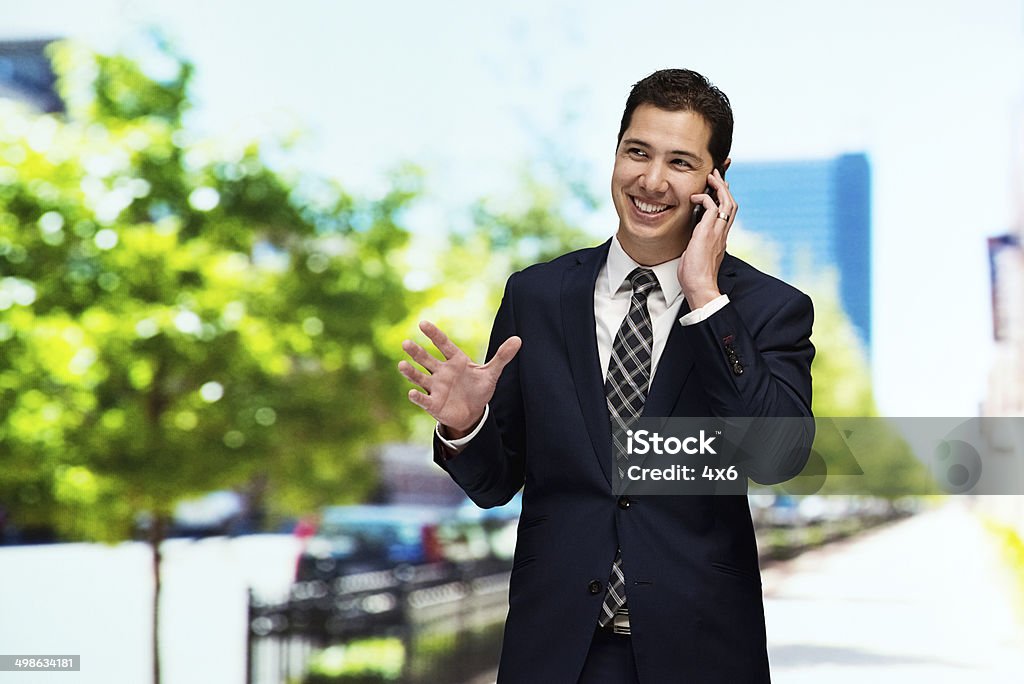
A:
{"points": [[219, 220]]}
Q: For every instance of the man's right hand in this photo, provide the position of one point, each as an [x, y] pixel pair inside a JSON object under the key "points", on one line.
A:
{"points": [[456, 390]]}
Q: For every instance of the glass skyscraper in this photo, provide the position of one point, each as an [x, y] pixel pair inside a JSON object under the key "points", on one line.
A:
{"points": [[818, 212]]}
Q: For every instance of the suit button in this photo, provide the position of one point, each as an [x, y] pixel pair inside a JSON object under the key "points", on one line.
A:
{"points": [[737, 368], [625, 502], [595, 587]]}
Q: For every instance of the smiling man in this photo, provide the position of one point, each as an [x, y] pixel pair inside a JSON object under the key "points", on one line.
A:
{"points": [[657, 321]]}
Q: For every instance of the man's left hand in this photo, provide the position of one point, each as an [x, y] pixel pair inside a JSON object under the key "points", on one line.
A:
{"points": [[698, 269]]}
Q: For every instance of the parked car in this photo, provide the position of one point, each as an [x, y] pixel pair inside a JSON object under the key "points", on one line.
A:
{"points": [[366, 538]]}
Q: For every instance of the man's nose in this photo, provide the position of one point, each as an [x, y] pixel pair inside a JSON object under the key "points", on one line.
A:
{"points": [[653, 180]]}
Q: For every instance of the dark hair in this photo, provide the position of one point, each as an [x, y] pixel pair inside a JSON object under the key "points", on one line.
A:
{"points": [[678, 90]]}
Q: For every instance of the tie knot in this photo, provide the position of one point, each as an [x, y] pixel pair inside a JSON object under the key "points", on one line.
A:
{"points": [[643, 281]]}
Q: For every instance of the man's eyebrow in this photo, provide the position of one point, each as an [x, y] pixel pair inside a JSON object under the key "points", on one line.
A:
{"points": [[678, 153]]}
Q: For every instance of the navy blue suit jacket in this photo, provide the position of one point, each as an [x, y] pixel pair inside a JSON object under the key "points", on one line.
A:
{"points": [[690, 562]]}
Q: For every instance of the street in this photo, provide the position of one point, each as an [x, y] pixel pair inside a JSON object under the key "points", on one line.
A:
{"points": [[927, 599]]}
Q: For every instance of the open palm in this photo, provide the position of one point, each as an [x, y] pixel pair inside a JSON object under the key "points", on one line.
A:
{"points": [[455, 390]]}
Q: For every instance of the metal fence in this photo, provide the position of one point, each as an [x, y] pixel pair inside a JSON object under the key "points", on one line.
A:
{"points": [[448, 619]]}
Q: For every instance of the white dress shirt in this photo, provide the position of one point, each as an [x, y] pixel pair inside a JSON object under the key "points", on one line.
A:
{"points": [[612, 294]]}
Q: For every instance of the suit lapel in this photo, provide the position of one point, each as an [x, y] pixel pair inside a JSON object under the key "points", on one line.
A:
{"points": [[581, 339], [674, 367]]}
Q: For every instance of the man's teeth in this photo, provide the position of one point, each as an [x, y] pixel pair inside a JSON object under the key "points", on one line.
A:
{"points": [[649, 208]]}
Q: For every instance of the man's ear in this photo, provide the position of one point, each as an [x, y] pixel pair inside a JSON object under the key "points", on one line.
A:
{"points": [[725, 165]]}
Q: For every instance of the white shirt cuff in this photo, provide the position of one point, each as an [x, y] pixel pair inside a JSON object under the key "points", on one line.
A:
{"points": [[456, 445], [704, 312]]}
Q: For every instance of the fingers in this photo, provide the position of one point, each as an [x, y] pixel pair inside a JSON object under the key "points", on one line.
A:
{"points": [[705, 200], [412, 375], [455, 381], [726, 203], [425, 358], [718, 215], [506, 352], [440, 340], [419, 398], [420, 356], [424, 401]]}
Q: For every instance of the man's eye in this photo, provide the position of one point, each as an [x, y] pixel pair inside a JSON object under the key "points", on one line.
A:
{"points": [[681, 163], [636, 152]]}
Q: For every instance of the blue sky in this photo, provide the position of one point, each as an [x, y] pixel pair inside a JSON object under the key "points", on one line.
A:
{"points": [[932, 92]]}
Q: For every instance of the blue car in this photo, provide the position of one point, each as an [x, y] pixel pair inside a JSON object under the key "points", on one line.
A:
{"points": [[367, 538]]}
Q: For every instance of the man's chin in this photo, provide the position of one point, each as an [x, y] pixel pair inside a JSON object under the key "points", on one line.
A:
{"points": [[651, 247]]}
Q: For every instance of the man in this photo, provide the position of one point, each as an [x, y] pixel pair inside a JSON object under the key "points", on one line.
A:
{"points": [[658, 321]]}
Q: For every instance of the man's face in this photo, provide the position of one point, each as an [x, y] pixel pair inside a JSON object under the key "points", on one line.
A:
{"points": [[662, 159]]}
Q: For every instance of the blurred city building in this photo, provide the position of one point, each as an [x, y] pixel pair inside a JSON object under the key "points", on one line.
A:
{"points": [[819, 212], [26, 75], [1005, 393], [1006, 377]]}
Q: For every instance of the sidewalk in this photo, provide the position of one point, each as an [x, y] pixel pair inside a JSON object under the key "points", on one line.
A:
{"points": [[924, 600]]}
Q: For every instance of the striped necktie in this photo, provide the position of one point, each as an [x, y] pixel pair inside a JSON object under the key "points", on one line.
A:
{"points": [[629, 375]]}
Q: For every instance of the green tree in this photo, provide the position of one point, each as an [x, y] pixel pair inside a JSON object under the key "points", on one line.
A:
{"points": [[177, 317]]}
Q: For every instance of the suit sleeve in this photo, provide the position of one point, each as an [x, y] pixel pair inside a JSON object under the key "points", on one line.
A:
{"points": [[762, 373], [490, 469]]}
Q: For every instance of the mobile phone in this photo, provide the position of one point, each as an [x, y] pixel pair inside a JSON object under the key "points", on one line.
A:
{"points": [[698, 211]]}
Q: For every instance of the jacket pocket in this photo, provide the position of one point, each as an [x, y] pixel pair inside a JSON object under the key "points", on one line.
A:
{"points": [[737, 572], [523, 562]]}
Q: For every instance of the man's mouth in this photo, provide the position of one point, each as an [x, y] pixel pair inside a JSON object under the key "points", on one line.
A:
{"points": [[647, 207]]}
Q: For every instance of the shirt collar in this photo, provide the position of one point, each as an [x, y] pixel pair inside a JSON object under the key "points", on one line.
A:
{"points": [[621, 265]]}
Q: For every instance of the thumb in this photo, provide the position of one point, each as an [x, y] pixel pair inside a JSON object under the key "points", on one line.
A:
{"points": [[506, 352]]}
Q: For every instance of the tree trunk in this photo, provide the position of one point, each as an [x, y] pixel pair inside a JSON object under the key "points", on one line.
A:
{"points": [[156, 536]]}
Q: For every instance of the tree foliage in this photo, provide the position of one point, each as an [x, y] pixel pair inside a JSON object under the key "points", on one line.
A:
{"points": [[176, 316]]}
